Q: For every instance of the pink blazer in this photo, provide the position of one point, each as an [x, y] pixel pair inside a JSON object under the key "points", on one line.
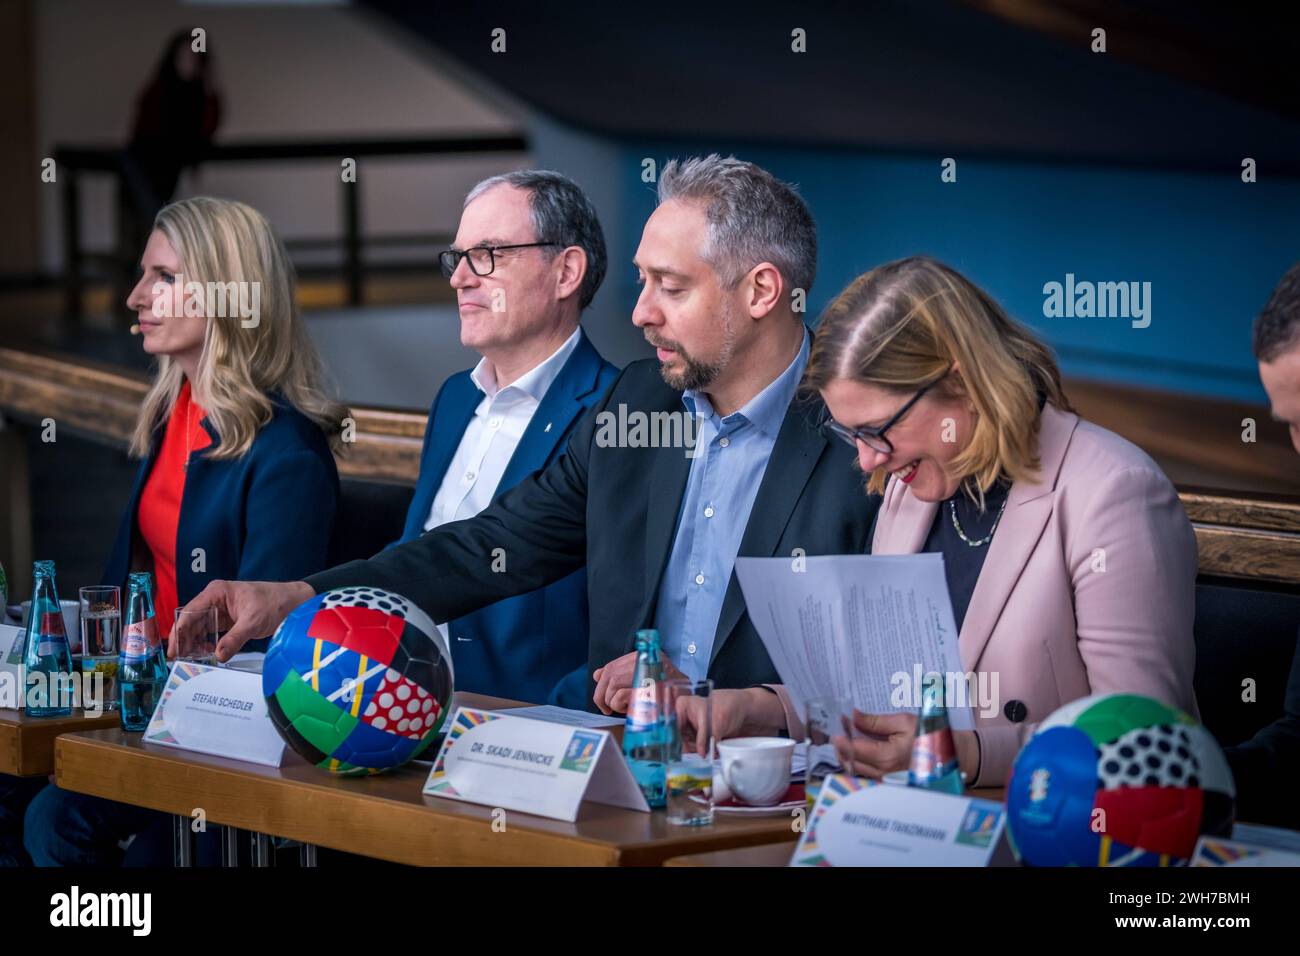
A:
{"points": [[1089, 585]]}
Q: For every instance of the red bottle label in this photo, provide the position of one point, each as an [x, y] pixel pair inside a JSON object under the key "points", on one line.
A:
{"points": [[139, 639], [932, 752], [53, 637], [52, 624], [644, 712]]}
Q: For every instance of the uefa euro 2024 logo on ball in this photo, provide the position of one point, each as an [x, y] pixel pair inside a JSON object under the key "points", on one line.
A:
{"points": [[1117, 780]]}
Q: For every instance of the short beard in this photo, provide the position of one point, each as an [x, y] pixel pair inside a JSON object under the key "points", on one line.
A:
{"points": [[698, 375]]}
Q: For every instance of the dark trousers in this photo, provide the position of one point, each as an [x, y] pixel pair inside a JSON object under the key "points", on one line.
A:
{"points": [[15, 794], [63, 828]]}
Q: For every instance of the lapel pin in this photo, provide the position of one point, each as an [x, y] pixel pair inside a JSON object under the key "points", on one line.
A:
{"points": [[548, 426]]}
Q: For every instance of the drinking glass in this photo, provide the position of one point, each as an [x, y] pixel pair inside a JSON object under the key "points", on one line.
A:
{"points": [[196, 635], [101, 631], [690, 774]]}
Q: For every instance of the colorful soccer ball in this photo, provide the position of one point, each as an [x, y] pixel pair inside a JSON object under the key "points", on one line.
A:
{"points": [[1117, 780], [357, 680]]}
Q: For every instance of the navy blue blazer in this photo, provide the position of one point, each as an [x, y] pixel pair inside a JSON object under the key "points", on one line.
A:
{"points": [[266, 516], [524, 646]]}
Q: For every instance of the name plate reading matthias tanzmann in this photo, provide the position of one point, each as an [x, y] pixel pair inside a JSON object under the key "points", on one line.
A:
{"points": [[532, 766], [861, 823], [218, 711]]}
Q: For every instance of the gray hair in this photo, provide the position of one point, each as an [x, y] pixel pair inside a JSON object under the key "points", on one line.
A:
{"points": [[753, 217], [1278, 327], [562, 214]]}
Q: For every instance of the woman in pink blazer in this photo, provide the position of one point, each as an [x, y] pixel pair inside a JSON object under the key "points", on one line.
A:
{"points": [[1070, 561]]}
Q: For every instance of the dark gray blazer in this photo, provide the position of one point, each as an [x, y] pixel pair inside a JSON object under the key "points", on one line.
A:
{"points": [[614, 510]]}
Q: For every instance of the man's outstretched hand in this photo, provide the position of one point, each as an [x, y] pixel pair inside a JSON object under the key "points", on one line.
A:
{"points": [[246, 610], [614, 682]]}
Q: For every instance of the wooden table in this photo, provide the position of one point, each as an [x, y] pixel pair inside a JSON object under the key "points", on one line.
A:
{"points": [[778, 854], [27, 743], [770, 854], [385, 816]]}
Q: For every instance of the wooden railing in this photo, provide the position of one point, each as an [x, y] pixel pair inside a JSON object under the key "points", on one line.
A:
{"points": [[1256, 537], [101, 402], [1253, 537], [1197, 440]]}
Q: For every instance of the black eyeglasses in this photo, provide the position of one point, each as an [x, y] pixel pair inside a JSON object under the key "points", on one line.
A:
{"points": [[482, 259], [874, 438]]}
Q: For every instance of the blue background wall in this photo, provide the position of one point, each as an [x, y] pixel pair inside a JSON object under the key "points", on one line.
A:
{"points": [[1211, 246]]}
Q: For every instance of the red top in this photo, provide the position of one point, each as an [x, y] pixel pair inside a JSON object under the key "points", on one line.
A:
{"points": [[159, 512]]}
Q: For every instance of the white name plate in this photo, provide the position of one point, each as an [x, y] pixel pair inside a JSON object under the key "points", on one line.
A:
{"points": [[533, 766], [11, 644], [1216, 851], [11, 667], [861, 823], [216, 710]]}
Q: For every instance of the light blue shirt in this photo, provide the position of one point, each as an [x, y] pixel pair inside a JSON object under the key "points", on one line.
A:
{"points": [[731, 456]]}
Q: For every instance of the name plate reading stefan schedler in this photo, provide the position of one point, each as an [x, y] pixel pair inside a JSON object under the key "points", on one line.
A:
{"points": [[216, 710]]}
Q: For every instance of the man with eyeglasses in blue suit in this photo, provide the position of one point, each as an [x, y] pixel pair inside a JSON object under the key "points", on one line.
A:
{"points": [[528, 257]]}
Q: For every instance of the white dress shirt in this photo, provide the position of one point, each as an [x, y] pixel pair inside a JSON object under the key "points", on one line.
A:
{"points": [[492, 435]]}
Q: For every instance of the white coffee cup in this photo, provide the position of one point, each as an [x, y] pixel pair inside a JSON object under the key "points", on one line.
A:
{"points": [[757, 769]]}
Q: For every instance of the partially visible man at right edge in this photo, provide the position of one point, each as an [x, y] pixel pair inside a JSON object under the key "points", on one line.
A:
{"points": [[1266, 765]]}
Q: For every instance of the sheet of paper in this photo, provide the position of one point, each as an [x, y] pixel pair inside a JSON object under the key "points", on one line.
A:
{"points": [[799, 762], [250, 661], [865, 627], [564, 715]]}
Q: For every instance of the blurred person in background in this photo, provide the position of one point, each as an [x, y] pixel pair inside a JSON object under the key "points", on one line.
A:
{"points": [[176, 116]]}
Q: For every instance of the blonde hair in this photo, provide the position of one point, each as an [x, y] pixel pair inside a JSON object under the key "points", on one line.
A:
{"points": [[223, 241], [902, 325]]}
